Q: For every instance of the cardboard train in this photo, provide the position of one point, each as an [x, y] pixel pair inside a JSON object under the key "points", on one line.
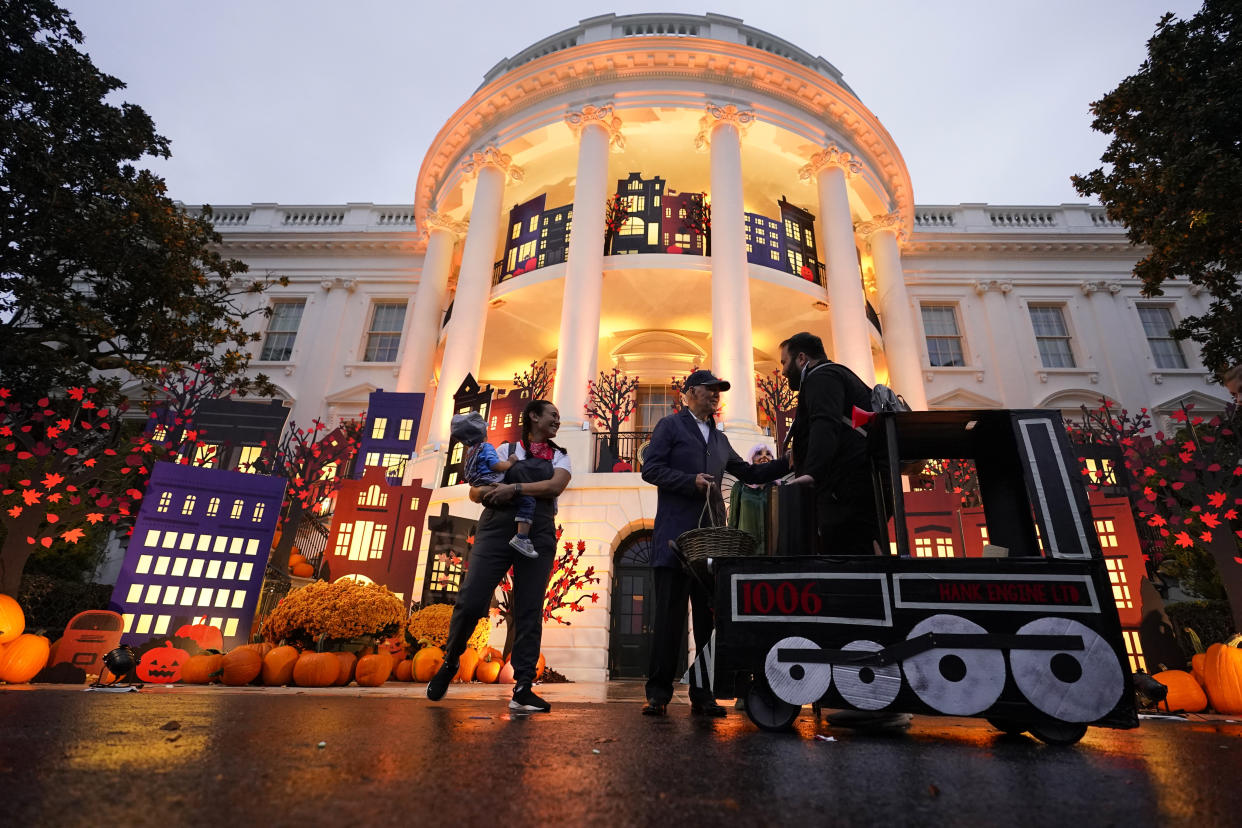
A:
{"points": [[1027, 637]]}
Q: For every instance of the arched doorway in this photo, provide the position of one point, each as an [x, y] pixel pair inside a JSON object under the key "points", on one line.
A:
{"points": [[629, 649]]}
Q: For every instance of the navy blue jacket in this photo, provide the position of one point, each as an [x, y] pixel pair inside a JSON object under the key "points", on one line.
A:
{"points": [[676, 455]]}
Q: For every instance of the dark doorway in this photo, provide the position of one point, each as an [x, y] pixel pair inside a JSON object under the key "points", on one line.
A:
{"points": [[629, 649]]}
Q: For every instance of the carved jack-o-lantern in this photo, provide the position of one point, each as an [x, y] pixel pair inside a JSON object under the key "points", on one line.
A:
{"points": [[162, 665]]}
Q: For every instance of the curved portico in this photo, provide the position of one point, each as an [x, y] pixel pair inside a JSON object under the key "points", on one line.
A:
{"points": [[708, 114]]}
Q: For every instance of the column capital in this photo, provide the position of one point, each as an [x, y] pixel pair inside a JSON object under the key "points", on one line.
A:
{"points": [[1003, 286], [442, 221], [602, 115], [831, 156], [491, 157], [887, 221], [717, 115]]}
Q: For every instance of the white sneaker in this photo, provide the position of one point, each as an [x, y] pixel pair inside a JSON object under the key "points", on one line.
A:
{"points": [[525, 701], [524, 545]]}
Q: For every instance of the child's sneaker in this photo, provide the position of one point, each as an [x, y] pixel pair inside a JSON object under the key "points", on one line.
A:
{"points": [[439, 683], [523, 545], [525, 701]]}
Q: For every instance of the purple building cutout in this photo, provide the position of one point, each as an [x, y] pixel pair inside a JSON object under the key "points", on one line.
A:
{"points": [[390, 434], [199, 548]]}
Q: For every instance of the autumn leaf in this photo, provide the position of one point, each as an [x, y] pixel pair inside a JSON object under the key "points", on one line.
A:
{"points": [[73, 535], [1217, 499], [15, 511], [94, 517], [1183, 540], [31, 497]]}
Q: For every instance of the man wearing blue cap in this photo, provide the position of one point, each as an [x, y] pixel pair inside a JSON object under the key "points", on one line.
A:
{"points": [[686, 461]]}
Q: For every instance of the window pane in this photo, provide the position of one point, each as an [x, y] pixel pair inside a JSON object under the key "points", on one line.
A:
{"points": [[282, 329], [944, 344], [1052, 336], [939, 320], [385, 335], [1165, 350], [1048, 321]]}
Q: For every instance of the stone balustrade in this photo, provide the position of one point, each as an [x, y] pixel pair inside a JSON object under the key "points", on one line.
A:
{"points": [[710, 26], [271, 218], [984, 218]]}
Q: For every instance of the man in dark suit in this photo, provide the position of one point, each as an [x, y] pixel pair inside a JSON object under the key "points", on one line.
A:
{"points": [[686, 460], [827, 452]]}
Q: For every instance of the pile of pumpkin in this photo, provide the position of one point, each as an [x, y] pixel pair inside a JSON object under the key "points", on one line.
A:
{"points": [[275, 666], [22, 654], [1215, 678], [299, 567]]}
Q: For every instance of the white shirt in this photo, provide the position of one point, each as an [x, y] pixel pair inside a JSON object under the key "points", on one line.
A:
{"points": [[560, 460], [704, 428]]}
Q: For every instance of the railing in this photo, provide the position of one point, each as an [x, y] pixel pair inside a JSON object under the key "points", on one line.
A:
{"points": [[230, 217], [1038, 219], [269, 218], [933, 218], [710, 26], [313, 218], [625, 455], [984, 218]]}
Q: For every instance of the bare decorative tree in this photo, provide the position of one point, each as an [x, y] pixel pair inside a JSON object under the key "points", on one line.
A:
{"points": [[536, 383], [616, 211], [699, 219], [610, 402], [776, 401]]}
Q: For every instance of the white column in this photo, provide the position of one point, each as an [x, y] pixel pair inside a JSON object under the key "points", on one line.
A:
{"points": [[901, 346], [851, 339], [732, 352], [577, 351], [422, 330], [463, 347]]}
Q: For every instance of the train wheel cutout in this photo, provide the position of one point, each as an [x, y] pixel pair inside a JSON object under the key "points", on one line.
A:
{"points": [[955, 682], [1073, 686], [794, 682], [867, 688]]}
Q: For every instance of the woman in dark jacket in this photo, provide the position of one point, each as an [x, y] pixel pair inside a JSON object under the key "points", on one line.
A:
{"points": [[541, 470]]}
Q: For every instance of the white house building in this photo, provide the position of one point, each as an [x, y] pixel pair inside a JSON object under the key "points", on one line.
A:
{"points": [[813, 227]]}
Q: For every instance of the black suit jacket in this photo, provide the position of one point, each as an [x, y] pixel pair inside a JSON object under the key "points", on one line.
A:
{"points": [[677, 454]]}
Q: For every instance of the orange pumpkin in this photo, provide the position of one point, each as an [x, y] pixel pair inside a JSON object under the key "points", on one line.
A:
{"points": [[345, 664], [506, 673], [1197, 662], [487, 671], [203, 668], [467, 664], [303, 570], [22, 658], [426, 662], [540, 666], [12, 619], [404, 670], [316, 670], [240, 666], [262, 647], [1223, 673], [373, 670], [1184, 692], [295, 559], [204, 635], [278, 665]]}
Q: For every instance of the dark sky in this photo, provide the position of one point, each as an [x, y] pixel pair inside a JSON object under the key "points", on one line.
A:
{"points": [[315, 102]]}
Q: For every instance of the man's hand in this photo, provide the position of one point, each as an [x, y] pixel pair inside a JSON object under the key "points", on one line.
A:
{"points": [[704, 481], [499, 494], [800, 480]]}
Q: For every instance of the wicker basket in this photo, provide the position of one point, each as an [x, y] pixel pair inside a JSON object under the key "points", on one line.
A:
{"points": [[697, 545]]}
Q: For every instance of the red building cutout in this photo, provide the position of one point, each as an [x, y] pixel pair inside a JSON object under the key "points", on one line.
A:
{"points": [[377, 531]]}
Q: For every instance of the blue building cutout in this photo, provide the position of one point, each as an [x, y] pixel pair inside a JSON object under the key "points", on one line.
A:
{"points": [[199, 549], [390, 435]]}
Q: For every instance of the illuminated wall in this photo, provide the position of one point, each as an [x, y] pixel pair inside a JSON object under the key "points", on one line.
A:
{"points": [[199, 548]]}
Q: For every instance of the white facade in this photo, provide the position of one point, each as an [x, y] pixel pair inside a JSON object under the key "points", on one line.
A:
{"points": [[713, 106]]}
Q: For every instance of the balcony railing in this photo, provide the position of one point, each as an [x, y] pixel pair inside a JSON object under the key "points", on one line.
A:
{"points": [[625, 454]]}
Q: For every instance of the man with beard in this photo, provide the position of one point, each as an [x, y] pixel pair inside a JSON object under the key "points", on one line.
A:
{"points": [[827, 452]]}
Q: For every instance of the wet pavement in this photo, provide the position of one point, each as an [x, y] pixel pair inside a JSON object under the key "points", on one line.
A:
{"points": [[387, 756]]}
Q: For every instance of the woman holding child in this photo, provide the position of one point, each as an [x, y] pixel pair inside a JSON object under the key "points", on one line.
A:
{"points": [[541, 469]]}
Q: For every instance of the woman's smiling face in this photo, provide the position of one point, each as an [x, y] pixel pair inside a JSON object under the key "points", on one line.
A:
{"points": [[547, 422]]}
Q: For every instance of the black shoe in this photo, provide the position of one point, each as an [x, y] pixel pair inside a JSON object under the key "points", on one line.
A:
{"points": [[707, 709], [439, 683], [655, 708], [525, 701]]}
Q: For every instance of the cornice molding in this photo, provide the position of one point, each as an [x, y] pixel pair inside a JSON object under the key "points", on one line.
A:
{"points": [[602, 116], [594, 65], [1115, 248]]}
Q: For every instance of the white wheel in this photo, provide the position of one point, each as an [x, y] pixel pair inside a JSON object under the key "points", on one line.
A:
{"points": [[956, 682], [794, 682], [867, 688], [1071, 685]]}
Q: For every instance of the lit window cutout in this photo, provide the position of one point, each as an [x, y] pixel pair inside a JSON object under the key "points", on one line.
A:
{"points": [[144, 624], [1117, 578], [258, 512], [213, 507], [237, 510], [187, 506], [165, 499], [378, 426]]}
